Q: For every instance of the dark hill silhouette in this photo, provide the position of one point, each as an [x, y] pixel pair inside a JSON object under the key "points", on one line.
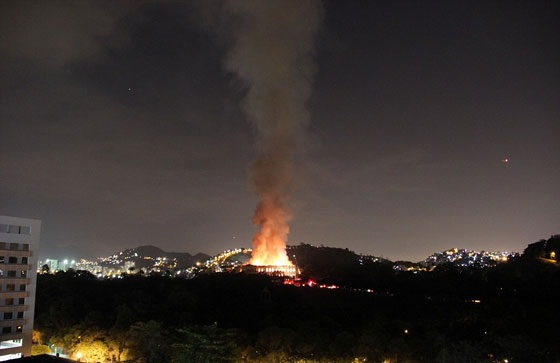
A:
{"points": [[547, 249]]}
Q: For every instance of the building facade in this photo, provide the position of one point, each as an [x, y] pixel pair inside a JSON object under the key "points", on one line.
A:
{"points": [[19, 247]]}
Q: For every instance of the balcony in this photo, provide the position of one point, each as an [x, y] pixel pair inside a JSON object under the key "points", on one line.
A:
{"points": [[14, 266], [13, 294], [11, 336], [14, 280], [13, 322], [15, 253], [13, 308]]}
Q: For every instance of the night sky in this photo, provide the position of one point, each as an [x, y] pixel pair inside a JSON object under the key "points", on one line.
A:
{"points": [[119, 127]]}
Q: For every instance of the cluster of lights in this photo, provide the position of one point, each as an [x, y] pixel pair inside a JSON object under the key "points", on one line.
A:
{"points": [[466, 258], [220, 259]]}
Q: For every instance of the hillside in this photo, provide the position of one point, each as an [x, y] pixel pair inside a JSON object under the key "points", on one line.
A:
{"points": [[151, 256]]}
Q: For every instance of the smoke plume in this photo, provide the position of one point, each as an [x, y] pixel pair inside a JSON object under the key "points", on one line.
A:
{"points": [[272, 53]]}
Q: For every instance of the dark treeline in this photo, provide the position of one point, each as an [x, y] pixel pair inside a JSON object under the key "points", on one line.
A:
{"points": [[448, 315]]}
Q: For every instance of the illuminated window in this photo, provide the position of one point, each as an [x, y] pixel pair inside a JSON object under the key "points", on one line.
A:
{"points": [[552, 254]]}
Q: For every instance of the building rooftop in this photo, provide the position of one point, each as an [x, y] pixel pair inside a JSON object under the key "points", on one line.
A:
{"points": [[42, 358]]}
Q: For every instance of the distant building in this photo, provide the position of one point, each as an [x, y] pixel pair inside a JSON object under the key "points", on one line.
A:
{"points": [[19, 246], [53, 265], [63, 265], [286, 271]]}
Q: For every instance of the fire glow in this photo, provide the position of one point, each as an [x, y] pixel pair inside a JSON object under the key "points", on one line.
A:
{"points": [[269, 243]]}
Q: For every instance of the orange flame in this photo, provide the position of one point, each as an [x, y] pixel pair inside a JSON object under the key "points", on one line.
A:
{"points": [[269, 243]]}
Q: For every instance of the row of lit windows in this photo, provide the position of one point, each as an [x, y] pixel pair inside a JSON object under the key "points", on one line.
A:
{"points": [[12, 228], [277, 269]]}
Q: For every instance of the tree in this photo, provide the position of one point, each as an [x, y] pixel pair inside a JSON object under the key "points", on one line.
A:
{"points": [[37, 337], [40, 349], [92, 351], [45, 269], [206, 344], [146, 344]]}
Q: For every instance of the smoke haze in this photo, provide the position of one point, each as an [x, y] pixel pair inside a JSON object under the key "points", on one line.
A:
{"points": [[272, 53]]}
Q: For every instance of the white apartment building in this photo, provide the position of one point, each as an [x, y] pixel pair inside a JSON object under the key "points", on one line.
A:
{"points": [[19, 247]]}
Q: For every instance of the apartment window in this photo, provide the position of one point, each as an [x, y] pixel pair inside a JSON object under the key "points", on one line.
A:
{"points": [[13, 229], [20, 315], [8, 316], [11, 287], [14, 246], [6, 330], [11, 274], [12, 259], [9, 301], [21, 301], [24, 260], [2, 259], [22, 287]]}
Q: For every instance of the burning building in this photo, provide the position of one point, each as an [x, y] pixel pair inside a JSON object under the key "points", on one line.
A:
{"points": [[272, 270]]}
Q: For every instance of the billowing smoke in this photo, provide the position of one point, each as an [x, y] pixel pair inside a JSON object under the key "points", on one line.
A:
{"points": [[272, 53]]}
